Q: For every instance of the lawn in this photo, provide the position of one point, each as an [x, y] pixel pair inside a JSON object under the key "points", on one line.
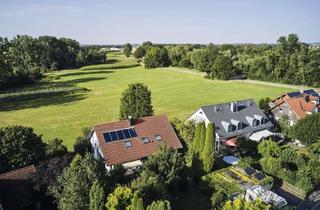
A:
{"points": [[174, 93]]}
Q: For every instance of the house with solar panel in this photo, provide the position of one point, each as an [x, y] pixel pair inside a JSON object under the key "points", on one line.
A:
{"points": [[129, 142], [233, 119], [295, 105]]}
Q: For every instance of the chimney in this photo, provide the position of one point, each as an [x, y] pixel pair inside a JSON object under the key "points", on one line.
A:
{"points": [[307, 98], [130, 120], [233, 107]]}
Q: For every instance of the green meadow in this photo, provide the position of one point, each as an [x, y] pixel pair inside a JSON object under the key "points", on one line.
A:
{"points": [[174, 93]]}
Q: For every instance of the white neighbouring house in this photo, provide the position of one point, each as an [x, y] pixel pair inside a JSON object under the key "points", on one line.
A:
{"points": [[127, 142], [233, 119]]}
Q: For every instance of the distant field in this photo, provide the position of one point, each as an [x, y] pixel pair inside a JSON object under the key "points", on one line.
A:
{"points": [[174, 93]]}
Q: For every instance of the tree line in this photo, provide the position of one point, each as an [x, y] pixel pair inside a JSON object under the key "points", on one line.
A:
{"points": [[23, 59], [288, 61]]}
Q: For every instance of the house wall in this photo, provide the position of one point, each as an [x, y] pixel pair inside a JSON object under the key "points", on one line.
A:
{"points": [[97, 153], [199, 117], [284, 109]]}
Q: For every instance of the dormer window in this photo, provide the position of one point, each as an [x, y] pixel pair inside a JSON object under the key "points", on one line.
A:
{"points": [[158, 137], [228, 127], [145, 140], [237, 124], [252, 121], [127, 144], [255, 123]]}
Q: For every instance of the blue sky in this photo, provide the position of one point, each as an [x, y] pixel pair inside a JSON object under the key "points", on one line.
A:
{"points": [[162, 21]]}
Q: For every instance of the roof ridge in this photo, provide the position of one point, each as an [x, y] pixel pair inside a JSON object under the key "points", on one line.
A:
{"points": [[120, 121], [18, 170], [228, 102]]}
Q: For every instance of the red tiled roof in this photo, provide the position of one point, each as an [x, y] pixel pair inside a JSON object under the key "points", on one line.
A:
{"points": [[116, 153], [231, 142], [16, 191], [19, 174], [300, 106]]}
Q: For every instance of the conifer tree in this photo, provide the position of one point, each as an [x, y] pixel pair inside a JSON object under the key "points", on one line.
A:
{"points": [[202, 136], [209, 149], [196, 139], [136, 102], [97, 197], [136, 203]]}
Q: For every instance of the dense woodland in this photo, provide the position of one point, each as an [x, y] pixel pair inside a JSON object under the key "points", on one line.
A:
{"points": [[289, 61], [24, 58]]}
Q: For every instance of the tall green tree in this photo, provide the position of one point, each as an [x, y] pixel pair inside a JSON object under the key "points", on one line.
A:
{"points": [[159, 205], [156, 57], [202, 137], [269, 148], [307, 129], [119, 199], [55, 148], [162, 174], [223, 68], [203, 59], [264, 104], [19, 147], [72, 190], [127, 49], [139, 52], [199, 138], [136, 102], [209, 149], [97, 197], [136, 203]]}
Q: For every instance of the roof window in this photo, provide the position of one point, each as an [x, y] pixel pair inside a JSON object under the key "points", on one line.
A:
{"points": [[158, 137], [145, 140], [127, 144]]}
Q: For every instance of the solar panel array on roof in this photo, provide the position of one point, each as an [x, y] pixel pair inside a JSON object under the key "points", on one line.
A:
{"points": [[311, 92], [249, 171], [119, 135], [294, 94], [259, 175]]}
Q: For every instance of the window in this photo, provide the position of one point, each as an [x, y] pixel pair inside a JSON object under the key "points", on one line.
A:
{"points": [[127, 144], [158, 137], [145, 140]]}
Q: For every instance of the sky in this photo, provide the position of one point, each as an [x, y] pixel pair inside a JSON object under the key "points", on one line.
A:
{"points": [[162, 21]]}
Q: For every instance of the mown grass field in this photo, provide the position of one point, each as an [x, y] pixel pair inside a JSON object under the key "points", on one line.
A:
{"points": [[174, 93]]}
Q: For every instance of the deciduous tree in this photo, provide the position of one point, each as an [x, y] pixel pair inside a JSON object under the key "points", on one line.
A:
{"points": [[119, 199], [159, 205], [19, 147], [127, 49], [73, 185]]}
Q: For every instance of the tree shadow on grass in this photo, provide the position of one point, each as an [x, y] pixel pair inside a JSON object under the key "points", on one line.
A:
{"points": [[50, 97], [112, 61], [84, 72], [80, 80], [36, 103]]}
